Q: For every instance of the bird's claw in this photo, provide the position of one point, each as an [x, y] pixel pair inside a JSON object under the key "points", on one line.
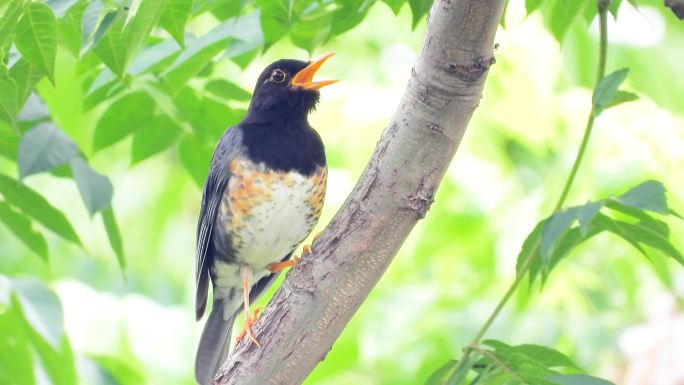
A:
{"points": [[247, 328]]}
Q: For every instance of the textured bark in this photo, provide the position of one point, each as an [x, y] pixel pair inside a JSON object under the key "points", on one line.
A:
{"points": [[321, 294]]}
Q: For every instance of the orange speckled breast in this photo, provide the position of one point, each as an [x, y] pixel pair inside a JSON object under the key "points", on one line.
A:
{"points": [[266, 214]]}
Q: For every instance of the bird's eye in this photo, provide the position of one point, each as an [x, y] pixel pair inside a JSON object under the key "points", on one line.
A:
{"points": [[278, 76]]}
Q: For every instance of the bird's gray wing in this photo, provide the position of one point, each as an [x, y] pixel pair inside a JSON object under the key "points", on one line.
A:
{"points": [[228, 147]]}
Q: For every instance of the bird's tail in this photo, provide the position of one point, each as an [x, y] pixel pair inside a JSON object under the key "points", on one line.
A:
{"points": [[213, 345]]}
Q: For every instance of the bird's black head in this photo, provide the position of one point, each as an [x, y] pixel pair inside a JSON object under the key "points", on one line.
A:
{"points": [[285, 91]]}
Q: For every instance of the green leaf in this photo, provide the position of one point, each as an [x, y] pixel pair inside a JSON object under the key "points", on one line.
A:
{"points": [[10, 12], [119, 371], [21, 227], [197, 54], [651, 233], [607, 89], [395, 5], [43, 148], [25, 76], [419, 8], [9, 142], [90, 22], [564, 12], [622, 97], [649, 195], [111, 46], [614, 6], [36, 38], [155, 137], [532, 5], [531, 248], [196, 157], [247, 35], [227, 90], [441, 375], [8, 99], [96, 189], [140, 26], [311, 33], [586, 213], [546, 356], [123, 117], [37, 207], [60, 7], [175, 17], [69, 26], [555, 227], [113, 235], [41, 309], [577, 379], [16, 363]]}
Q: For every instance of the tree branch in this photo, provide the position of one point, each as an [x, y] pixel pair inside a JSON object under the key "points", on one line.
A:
{"points": [[320, 295]]}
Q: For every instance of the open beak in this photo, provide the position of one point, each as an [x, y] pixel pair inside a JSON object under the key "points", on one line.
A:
{"points": [[304, 78]]}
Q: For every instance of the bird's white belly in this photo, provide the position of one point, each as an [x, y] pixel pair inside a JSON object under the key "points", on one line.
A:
{"points": [[269, 213], [276, 226]]}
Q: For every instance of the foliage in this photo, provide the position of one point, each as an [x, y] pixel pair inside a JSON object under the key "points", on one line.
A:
{"points": [[85, 84]]}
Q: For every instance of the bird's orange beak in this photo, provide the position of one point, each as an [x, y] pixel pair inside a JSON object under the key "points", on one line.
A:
{"points": [[304, 78]]}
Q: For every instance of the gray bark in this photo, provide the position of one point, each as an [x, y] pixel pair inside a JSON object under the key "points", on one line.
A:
{"points": [[322, 292]]}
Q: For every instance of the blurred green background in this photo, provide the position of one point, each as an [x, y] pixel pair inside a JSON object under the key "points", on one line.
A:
{"points": [[606, 306]]}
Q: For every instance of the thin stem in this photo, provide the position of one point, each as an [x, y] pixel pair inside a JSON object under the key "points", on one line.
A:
{"points": [[601, 70]]}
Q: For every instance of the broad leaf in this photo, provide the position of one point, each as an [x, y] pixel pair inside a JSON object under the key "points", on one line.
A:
{"points": [[90, 22], [532, 5], [16, 364], [36, 38], [395, 5], [196, 157], [419, 8], [546, 356], [41, 308], [146, 17], [441, 375], [227, 90], [43, 148], [69, 26], [25, 76], [649, 195], [311, 33], [37, 207], [198, 53], [175, 17], [577, 379], [10, 12], [563, 14], [247, 35], [111, 46], [621, 97], [607, 89], [21, 227], [96, 189], [125, 116], [155, 137], [119, 372], [113, 235], [557, 225], [8, 99]]}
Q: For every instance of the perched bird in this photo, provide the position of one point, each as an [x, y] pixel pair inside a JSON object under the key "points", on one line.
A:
{"points": [[262, 197]]}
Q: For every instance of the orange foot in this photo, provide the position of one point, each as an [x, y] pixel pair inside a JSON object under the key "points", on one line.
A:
{"points": [[247, 328], [280, 266]]}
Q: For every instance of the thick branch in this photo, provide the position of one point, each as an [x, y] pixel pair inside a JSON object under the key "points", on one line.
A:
{"points": [[325, 289]]}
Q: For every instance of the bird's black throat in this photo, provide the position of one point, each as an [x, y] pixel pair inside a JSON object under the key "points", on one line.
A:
{"points": [[293, 147]]}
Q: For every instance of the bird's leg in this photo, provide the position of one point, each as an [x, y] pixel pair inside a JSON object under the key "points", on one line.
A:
{"points": [[249, 320], [280, 266]]}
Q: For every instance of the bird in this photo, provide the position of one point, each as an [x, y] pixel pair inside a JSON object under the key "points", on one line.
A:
{"points": [[262, 197]]}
